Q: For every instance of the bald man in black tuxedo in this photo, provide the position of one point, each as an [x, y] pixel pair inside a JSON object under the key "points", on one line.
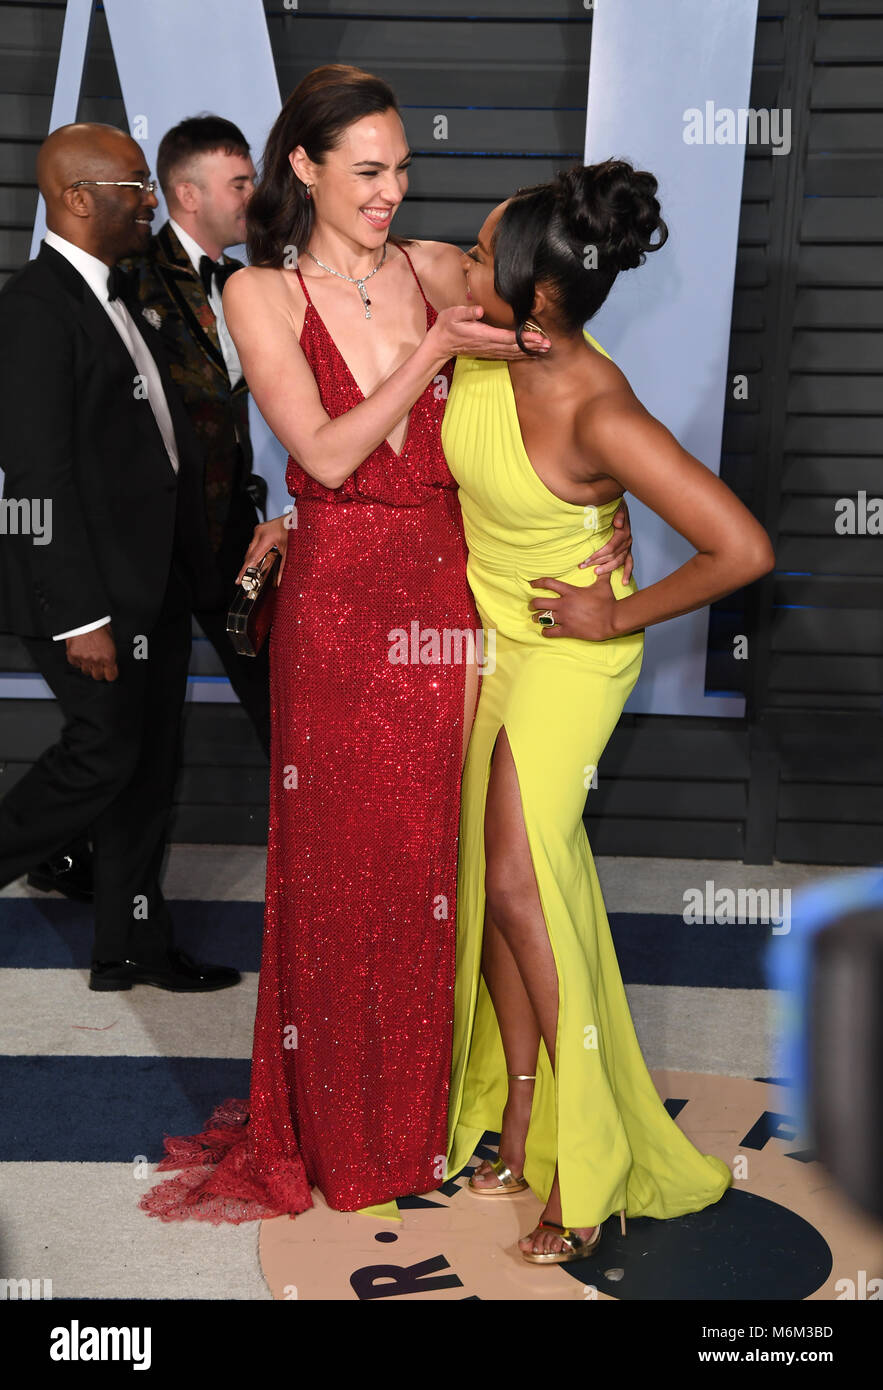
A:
{"points": [[92, 427]]}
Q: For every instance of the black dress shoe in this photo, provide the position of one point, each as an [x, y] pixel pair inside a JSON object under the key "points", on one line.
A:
{"points": [[176, 971], [70, 874]]}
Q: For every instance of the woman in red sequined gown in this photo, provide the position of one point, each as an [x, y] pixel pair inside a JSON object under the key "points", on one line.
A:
{"points": [[352, 1040]]}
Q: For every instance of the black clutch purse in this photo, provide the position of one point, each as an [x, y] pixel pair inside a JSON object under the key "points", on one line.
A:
{"points": [[251, 612]]}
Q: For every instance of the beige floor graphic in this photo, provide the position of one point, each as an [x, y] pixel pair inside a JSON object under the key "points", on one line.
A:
{"points": [[783, 1231]]}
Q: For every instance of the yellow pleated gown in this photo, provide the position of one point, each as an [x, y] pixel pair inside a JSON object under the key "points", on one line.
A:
{"points": [[559, 700]]}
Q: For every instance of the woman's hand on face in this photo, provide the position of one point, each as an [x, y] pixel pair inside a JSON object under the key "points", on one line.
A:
{"points": [[617, 551], [458, 330], [585, 613], [268, 534]]}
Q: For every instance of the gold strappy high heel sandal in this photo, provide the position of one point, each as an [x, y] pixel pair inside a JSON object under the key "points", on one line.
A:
{"points": [[507, 1183], [579, 1248]]}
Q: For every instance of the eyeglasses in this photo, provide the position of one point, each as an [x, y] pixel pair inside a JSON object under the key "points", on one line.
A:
{"points": [[149, 187]]}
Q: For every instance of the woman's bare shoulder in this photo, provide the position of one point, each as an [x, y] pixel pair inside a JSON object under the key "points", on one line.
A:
{"points": [[440, 267], [434, 252], [265, 293], [252, 282]]}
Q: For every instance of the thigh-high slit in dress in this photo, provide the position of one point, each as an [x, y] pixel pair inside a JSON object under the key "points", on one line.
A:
{"points": [[596, 1112]]}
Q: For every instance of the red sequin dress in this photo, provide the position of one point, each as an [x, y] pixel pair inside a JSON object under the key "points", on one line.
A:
{"points": [[353, 1032]]}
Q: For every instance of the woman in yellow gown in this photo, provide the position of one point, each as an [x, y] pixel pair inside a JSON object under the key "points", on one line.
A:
{"points": [[542, 450]]}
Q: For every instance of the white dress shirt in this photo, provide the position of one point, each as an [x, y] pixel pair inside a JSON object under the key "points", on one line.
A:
{"points": [[95, 273], [228, 347]]}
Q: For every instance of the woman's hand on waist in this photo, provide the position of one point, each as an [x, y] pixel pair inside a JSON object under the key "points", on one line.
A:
{"points": [[587, 613], [617, 551]]}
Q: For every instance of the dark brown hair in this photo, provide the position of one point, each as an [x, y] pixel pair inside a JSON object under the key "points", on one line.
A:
{"points": [[330, 98], [201, 134]]}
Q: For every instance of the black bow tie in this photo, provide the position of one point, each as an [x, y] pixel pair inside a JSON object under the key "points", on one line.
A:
{"points": [[209, 268], [121, 284]]}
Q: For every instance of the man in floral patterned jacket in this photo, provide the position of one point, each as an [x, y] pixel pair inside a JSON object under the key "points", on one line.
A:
{"points": [[207, 176]]}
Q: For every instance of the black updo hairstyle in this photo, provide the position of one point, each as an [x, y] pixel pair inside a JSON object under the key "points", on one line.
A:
{"points": [[546, 234]]}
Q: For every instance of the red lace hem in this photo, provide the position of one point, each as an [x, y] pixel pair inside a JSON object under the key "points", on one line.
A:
{"points": [[219, 1181]]}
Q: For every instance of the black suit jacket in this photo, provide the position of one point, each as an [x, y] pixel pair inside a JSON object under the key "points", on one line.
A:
{"points": [[77, 432]]}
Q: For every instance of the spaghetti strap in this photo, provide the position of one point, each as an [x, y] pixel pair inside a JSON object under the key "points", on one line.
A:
{"points": [[416, 276], [303, 286]]}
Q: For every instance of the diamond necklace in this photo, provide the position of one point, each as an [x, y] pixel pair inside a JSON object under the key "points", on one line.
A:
{"points": [[353, 279]]}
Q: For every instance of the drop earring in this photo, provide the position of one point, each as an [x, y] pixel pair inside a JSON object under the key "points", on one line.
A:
{"points": [[307, 187]]}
